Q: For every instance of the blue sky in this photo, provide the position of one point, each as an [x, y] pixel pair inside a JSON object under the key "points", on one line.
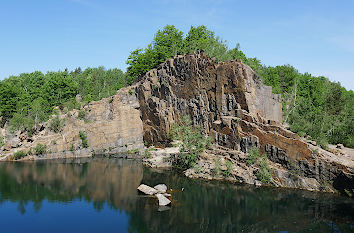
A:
{"points": [[49, 35]]}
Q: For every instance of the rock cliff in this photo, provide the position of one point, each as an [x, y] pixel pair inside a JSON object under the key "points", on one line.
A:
{"points": [[239, 112], [112, 125]]}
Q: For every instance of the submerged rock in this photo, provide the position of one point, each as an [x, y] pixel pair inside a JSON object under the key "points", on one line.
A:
{"points": [[161, 188], [163, 208], [163, 201], [147, 189]]}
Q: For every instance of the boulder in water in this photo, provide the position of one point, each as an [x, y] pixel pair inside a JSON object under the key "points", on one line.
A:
{"points": [[161, 188], [163, 201], [147, 189]]}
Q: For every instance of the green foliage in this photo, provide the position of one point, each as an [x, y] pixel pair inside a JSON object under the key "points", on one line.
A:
{"points": [[166, 43], [169, 42], [197, 169], [83, 138], [82, 115], [217, 166], [130, 91], [192, 142], [29, 99], [293, 169], [40, 149], [147, 154], [348, 193], [313, 105], [264, 173], [133, 151], [19, 155], [253, 156], [30, 152], [56, 124], [228, 170], [2, 141], [72, 147]]}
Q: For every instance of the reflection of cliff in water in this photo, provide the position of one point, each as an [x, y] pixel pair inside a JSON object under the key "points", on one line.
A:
{"points": [[201, 207], [221, 207], [98, 180]]}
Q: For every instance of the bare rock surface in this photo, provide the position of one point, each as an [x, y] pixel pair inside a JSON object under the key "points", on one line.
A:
{"points": [[163, 201], [161, 158], [161, 188], [147, 189], [112, 125]]}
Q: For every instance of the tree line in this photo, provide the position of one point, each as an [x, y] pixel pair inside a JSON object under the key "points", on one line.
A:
{"points": [[313, 106], [28, 99]]}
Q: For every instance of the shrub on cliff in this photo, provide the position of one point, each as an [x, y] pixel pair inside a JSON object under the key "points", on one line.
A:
{"points": [[253, 156], [19, 154], [83, 138], [192, 142], [56, 124], [40, 149], [264, 173]]}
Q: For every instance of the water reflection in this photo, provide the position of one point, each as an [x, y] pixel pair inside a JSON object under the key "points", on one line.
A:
{"points": [[201, 207]]}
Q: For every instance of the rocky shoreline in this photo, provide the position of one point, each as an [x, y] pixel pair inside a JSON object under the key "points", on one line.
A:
{"points": [[218, 164]]}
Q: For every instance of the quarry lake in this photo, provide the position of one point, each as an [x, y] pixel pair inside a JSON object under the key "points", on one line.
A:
{"points": [[100, 195]]}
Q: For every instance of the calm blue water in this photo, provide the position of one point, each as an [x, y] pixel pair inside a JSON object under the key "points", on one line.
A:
{"points": [[99, 195]]}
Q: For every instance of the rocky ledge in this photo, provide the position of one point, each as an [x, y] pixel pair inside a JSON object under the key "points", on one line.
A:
{"points": [[239, 112]]}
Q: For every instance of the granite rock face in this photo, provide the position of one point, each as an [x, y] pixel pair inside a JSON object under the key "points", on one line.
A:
{"points": [[112, 125], [238, 111]]}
